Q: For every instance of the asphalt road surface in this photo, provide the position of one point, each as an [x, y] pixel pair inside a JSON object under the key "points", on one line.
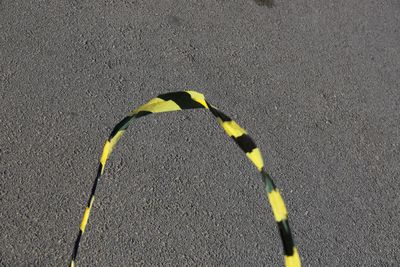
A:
{"points": [[315, 83]]}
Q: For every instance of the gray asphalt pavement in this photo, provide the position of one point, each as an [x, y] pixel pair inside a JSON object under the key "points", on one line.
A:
{"points": [[315, 83]]}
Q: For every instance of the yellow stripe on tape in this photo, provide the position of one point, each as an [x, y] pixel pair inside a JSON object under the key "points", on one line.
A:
{"points": [[152, 102], [294, 260], [195, 95], [198, 98], [277, 205], [256, 158], [86, 216], [232, 128], [108, 148], [105, 154], [158, 107]]}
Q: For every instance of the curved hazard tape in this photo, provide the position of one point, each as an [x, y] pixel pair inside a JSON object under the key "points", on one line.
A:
{"points": [[191, 100]]}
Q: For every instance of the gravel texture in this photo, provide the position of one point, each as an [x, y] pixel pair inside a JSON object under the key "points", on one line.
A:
{"points": [[315, 83]]}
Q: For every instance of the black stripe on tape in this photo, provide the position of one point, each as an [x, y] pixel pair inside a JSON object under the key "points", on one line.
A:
{"points": [[218, 113], [122, 125], [76, 246], [286, 237], [182, 99], [245, 143]]}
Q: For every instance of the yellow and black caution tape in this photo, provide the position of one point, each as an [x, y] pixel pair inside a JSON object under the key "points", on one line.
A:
{"points": [[191, 100]]}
